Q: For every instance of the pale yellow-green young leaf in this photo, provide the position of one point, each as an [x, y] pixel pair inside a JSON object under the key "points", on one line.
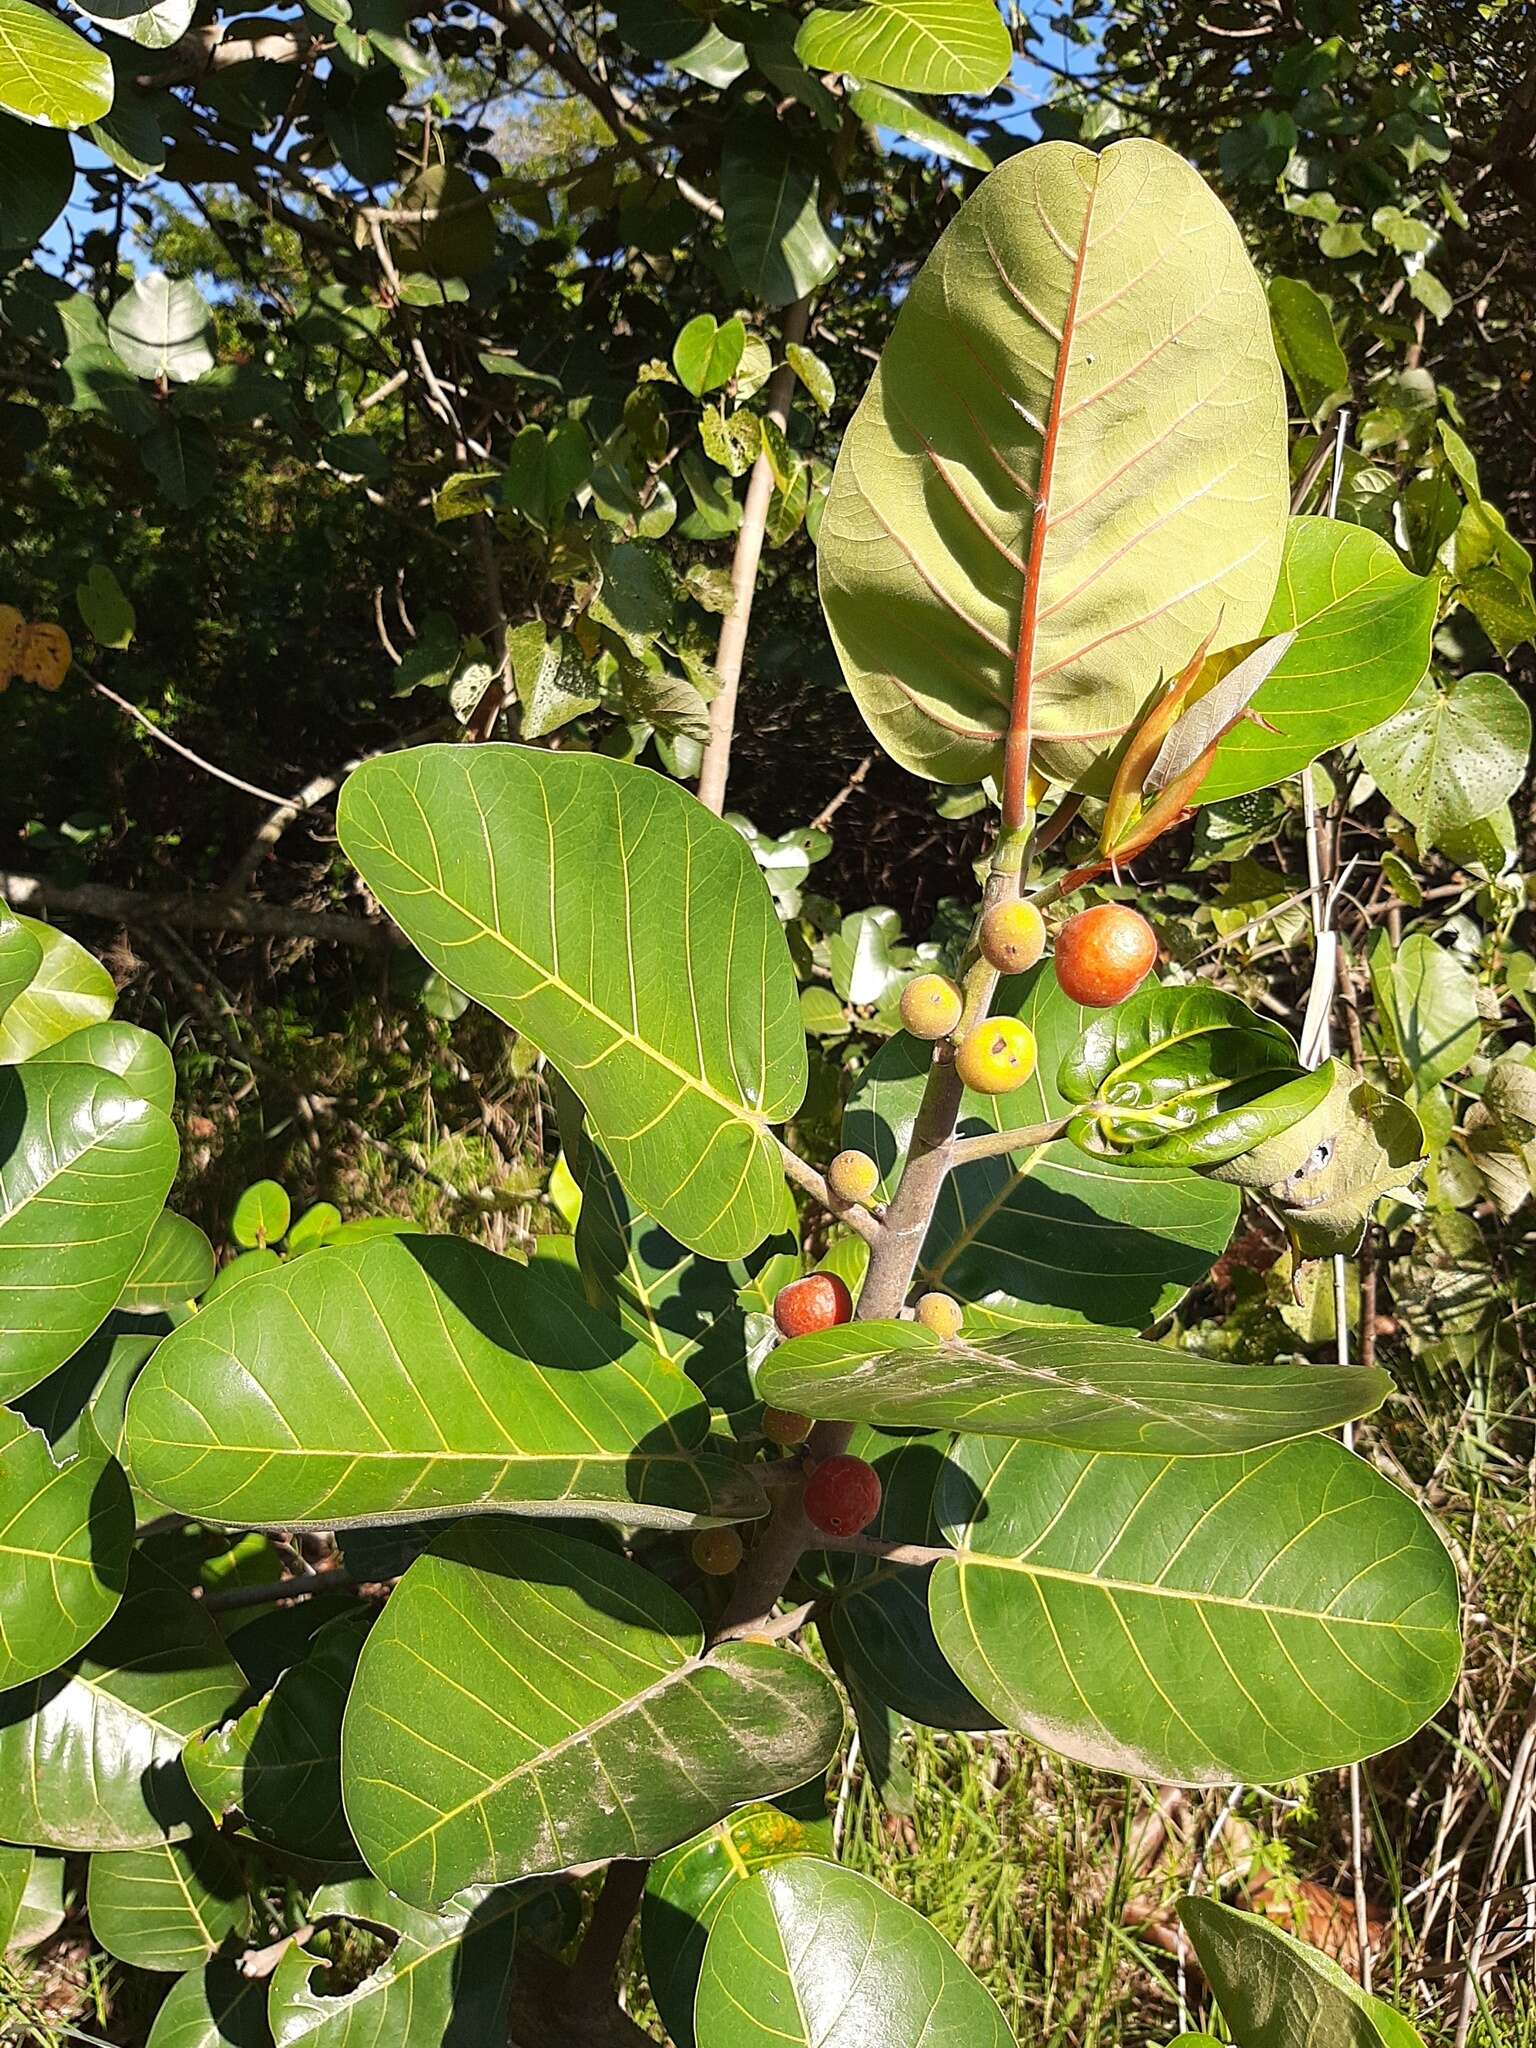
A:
{"points": [[1069, 466]]}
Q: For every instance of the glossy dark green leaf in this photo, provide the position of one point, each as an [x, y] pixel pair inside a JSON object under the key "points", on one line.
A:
{"points": [[1195, 1620], [170, 1907], [175, 1267], [140, 1061], [445, 1981], [214, 2007], [527, 1701], [1089, 1390], [42, 1907], [673, 1018], [279, 1765], [66, 990], [686, 1888], [876, 1628], [21, 955], [80, 1407], [689, 1310], [1277, 1992], [1453, 754], [1185, 1077], [1053, 1234], [416, 1376], [85, 1166], [774, 231], [90, 1756], [813, 1956], [1307, 345], [1363, 624], [15, 1869], [65, 1533], [672, 32], [37, 177]]}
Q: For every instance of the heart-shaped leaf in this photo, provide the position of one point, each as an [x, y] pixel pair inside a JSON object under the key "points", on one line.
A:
{"points": [[527, 1701], [1089, 1390], [48, 74], [279, 1765], [1453, 754], [444, 1980], [66, 990], [172, 1907], [65, 1534], [708, 352], [161, 327], [84, 1169], [1052, 1234], [805, 1955], [1277, 1992], [418, 1376], [1085, 319], [1362, 624], [607, 915], [1185, 1077], [917, 45], [1195, 1620], [687, 1887], [215, 2007], [90, 1756]]}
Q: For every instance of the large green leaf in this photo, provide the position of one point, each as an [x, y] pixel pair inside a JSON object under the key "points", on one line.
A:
{"points": [[686, 1888], [1053, 1234], [917, 45], [1428, 1002], [140, 1061], [42, 1907], [80, 1406], [887, 109], [171, 1907], [527, 1701], [1068, 468], [629, 934], [670, 31], [153, 27], [445, 1980], [48, 74], [84, 1169], [1199, 1620], [1277, 1992], [215, 2007], [1185, 1077], [66, 990], [21, 950], [807, 1954], [876, 1627], [1307, 345], [1362, 623], [15, 1869], [90, 1756], [37, 178], [279, 1764], [773, 225], [1452, 755], [162, 327], [174, 1268], [418, 1376], [1089, 1390], [65, 1534], [690, 1310]]}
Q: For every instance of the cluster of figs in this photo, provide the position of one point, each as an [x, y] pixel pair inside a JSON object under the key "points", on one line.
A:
{"points": [[1101, 956]]}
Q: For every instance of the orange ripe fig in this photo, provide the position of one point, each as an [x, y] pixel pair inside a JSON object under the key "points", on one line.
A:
{"points": [[818, 1302], [717, 1551], [1012, 936], [997, 1057], [842, 1496], [1104, 955], [783, 1426], [940, 1313], [931, 1006], [853, 1177]]}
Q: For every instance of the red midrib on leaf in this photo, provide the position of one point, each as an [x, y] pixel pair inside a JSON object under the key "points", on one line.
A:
{"points": [[1020, 725]]}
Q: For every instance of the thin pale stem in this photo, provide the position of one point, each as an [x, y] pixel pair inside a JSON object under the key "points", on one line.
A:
{"points": [[991, 1144]]}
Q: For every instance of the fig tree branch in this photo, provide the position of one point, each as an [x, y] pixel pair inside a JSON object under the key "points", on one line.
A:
{"points": [[716, 765], [992, 1144], [176, 746]]}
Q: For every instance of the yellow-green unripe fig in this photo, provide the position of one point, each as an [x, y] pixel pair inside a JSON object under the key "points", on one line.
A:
{"points": [[853, 1177], [997, 1057], [940, 1313], [1012, 936], [931, 1006], [717, 1551]]}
